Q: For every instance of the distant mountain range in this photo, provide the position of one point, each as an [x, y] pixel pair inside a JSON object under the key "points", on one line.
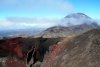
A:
{"points": [[77, 24], [70, 25], [19, 32]]}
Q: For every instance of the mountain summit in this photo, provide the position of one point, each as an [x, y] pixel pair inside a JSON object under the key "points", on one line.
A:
{"points": [[71, 25], [76, 19], [77, 15]]}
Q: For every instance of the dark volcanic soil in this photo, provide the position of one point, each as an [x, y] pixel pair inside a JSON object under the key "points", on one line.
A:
{"points": [[79, 51], [13, 51]]}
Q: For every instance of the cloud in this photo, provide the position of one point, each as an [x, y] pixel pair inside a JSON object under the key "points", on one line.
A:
{"points": [[32, 8], [56, 4], [43, 23], [23, 23], [38, 5]]}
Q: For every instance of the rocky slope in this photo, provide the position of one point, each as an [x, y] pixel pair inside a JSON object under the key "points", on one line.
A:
{"points": [[62, 31], [80, 51]]}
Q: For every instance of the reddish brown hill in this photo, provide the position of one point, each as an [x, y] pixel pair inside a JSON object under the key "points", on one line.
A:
{"points": [[13, 51], [13, 45], [14, 62]]}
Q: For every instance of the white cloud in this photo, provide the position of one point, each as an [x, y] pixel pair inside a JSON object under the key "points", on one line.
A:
{"points": [[42, 5], [22, 24], [57, 4]]}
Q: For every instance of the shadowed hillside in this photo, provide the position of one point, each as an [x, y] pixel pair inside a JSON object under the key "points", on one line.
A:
{"points": [[16, 49]]}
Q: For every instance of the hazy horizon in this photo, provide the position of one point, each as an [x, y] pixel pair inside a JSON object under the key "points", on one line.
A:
{"points": [[20, 14]]}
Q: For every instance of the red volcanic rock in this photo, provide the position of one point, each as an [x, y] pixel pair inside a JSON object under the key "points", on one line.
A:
{"points": [[14, 62], [18, 51], [53, 52], [13, 45]]}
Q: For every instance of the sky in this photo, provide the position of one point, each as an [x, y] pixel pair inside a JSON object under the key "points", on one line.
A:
{"points": [[29, 10]]}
